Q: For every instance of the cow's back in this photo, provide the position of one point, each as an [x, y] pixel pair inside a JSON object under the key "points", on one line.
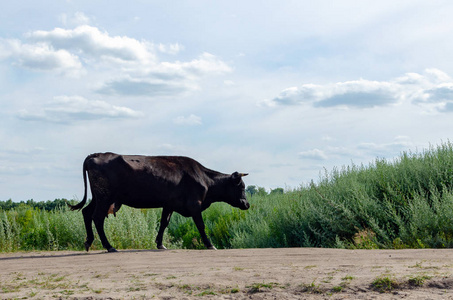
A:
{"points": [[146, 181]]}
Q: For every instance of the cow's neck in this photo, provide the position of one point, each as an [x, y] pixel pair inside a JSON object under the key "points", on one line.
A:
{"points": [[216, 190]]}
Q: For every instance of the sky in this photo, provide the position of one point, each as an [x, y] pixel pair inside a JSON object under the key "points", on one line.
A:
{"points": [[282, 90]]}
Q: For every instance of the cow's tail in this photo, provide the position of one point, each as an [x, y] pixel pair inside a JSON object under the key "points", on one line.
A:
{"points": [[84, 200]]}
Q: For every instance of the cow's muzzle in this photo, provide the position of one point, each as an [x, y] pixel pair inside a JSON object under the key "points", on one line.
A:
{"points": [[244, 204]]}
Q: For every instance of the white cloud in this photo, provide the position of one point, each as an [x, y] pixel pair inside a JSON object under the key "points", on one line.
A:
{"points": [[329, 153], [67, 109], [432, 91], [79, 18], [190, 120], [40, 57], [315, 154], [91, 41], [294, 95], [206, 64], [145, 87], [132, 55], [166, 78], [88, 49], [438, 75], [171, 48], [360, 93]]}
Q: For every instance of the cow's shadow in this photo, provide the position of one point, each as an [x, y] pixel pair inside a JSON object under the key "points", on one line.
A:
{"points": [[37, 256]]}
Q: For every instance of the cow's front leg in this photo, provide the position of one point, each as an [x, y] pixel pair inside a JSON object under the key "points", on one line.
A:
{"points": [[164, 220], [198, 219]]}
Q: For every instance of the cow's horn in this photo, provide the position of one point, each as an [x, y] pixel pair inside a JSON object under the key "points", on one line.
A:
{"points": [[243, 174]]}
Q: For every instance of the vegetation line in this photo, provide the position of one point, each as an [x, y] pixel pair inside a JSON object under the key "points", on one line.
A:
{"points": [[404, 203]]}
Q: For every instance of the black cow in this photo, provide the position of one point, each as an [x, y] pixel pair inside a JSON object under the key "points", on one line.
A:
{"points": [[175, 183]]}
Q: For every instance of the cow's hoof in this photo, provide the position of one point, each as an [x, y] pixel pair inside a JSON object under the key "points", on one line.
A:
{"points": [[87, 246], [212, 248], [112, 250], [162, 247]]}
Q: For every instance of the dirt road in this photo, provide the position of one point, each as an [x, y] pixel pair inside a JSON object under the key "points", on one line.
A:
{"points": [[295, 273]]}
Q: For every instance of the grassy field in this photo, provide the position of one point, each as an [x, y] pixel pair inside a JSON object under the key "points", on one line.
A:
{"points": [[403, 203]]}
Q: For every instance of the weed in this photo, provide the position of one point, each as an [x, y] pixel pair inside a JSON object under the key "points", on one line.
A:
{"points": [[32, 294], [418, 280], [348, 278], [19, 276], [205, 293], [101, 276], [345, 282], [417, 265], [137, 286], [311, 288], [67, 292], [384, 284], [310, 267], [228, 290], [398, 244], [365, 239], [337, 289], [187, 289], [257, 287], [57, 279], [10, 289]]}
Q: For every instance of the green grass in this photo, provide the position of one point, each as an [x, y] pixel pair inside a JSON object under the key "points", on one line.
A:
{"points": [[312, 288], [258, 287], [25, 228], [418, 280], [384, 284], [206, 293], [402, 203], [338, 288]]}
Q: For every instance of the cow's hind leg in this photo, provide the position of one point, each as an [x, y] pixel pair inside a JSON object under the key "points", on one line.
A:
{"points": [[99, 218], [164, 220], [88, 219]]}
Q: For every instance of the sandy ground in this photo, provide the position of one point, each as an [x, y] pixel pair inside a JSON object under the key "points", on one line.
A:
{"points": [[294, 273]]}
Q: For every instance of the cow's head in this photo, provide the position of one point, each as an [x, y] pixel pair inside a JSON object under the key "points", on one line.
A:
{"points": [[236, 191]]}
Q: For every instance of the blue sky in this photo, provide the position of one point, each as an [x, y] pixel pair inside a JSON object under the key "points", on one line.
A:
{"points": [[280, 89]]}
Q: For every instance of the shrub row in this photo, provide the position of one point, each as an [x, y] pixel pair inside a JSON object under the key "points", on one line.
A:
{"points": [[403, 203]]}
